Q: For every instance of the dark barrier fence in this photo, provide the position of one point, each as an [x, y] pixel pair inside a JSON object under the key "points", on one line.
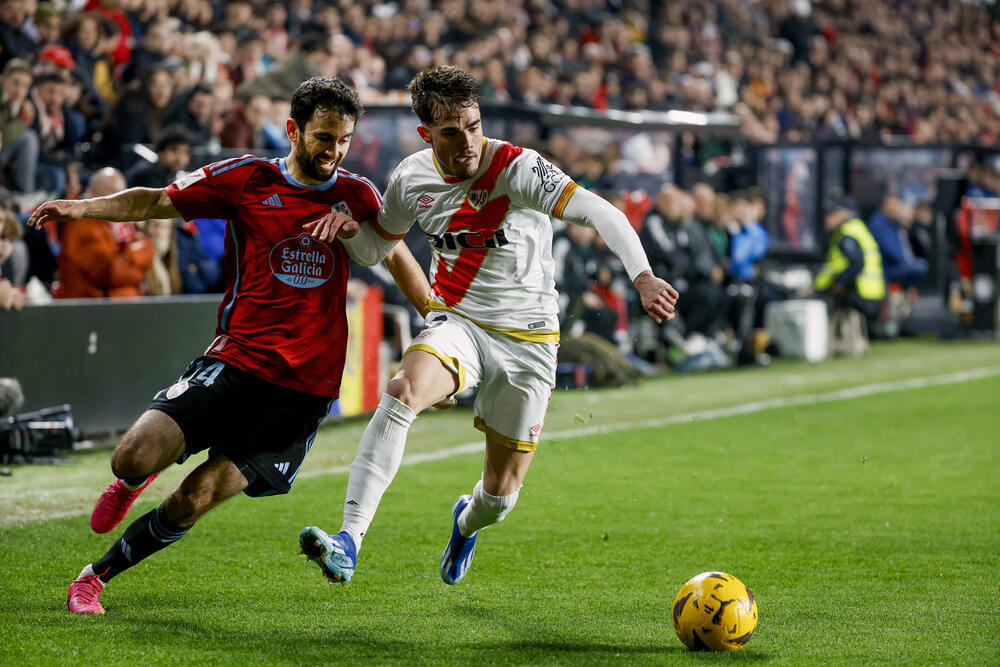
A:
{"points": [[105, 358]]}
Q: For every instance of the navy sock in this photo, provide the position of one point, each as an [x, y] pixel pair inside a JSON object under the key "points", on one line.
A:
{"points": [[147, 535]]}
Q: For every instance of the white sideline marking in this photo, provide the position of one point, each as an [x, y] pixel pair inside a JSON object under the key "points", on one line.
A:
{"points": [[716, 413]]}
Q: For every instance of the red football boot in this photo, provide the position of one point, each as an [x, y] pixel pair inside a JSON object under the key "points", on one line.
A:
{"points": [[84, 593], [114, 504]]}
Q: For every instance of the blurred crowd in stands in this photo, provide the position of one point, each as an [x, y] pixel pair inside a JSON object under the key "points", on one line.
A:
{"points": [[85, 80], [99, 95]]}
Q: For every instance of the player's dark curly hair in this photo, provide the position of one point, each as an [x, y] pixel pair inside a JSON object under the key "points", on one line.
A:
{"points": [[442, 88], [324, 92]]}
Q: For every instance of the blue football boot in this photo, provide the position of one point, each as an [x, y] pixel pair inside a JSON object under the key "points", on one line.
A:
{"points": [[336, 555], [457, 556]]}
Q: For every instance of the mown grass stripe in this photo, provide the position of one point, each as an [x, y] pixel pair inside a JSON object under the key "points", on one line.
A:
{"points": [[703, 415]]}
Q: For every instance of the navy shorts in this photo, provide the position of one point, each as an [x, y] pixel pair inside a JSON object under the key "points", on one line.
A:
{"points": [[264, 429]]}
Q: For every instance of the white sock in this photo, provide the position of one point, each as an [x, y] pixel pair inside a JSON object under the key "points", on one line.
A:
{"points": [[378, 458], [484, 510]]}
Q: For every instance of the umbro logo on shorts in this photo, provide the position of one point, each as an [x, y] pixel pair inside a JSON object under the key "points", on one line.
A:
{"points": [[273, 200], [282, 467]]}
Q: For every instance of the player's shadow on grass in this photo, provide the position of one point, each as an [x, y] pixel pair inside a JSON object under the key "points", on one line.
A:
{"points": [[555, 647], [541, 646], [156, 631]]}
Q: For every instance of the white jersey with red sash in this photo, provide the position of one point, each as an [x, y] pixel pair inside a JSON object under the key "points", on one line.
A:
{"points": [[491, 235]]}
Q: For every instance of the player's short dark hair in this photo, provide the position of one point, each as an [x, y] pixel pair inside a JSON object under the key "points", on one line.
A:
{"points": [[329, 93], [442, 88], [173, 135]]}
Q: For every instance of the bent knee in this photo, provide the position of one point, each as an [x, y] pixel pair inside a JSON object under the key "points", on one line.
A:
{"points": [[423, 385], [153, 442], [133, 458], [401, 389], [416, 396]]}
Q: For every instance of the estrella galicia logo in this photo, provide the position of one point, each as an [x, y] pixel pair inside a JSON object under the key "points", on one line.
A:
{"points": [[548, 173], [301, 261]]}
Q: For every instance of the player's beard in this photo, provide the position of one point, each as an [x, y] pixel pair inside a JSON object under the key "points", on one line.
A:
{"points": [[309, 165]]}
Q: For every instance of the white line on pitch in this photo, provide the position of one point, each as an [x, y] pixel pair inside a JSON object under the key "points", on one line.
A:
{"points": [[729, 411]]}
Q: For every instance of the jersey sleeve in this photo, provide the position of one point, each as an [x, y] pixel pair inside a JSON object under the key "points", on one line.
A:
{"points": [[210, 192], [536, 183], [395, 216]]}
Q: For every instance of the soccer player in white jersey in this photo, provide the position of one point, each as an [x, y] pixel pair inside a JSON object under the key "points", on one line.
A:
{"points": [[485, 206]]}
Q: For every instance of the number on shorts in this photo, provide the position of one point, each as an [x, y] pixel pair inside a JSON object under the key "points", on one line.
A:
{"points": [[206, 374]]}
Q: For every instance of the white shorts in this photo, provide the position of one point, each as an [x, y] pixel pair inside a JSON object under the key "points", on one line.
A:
{"points": [[515, 377]]}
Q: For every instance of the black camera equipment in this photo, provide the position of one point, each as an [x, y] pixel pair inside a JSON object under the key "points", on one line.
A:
{"points": [[37, 437]]}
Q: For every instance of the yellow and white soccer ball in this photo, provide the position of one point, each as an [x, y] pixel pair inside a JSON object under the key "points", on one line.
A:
{"points": [[715, 612]]}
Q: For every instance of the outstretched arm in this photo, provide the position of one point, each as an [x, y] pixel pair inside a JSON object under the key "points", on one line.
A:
{"points": [[125, 206], [367, 244], [658, 297], [410, 277]]}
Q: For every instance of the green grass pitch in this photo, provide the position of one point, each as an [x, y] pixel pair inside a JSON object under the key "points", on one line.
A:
{"points": [[867, 527]]}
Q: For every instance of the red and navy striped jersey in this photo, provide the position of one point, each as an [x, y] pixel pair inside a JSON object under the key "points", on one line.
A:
{"points": [[282, 317]]}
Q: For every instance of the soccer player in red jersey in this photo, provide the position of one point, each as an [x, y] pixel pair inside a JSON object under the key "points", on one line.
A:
{"points": [[267, 380]]}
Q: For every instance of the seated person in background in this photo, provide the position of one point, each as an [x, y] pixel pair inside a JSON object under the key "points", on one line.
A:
{"points": [[19, 143], [164, 275], [746, 291], [13, 261], [890, 226], [212, 236], [58, 141], [173, 152], [578, 262], [101, 258], [244, 125], [193, 110], [704, 198], [852, 275], [750, 243], [722, 227], [921, 233], [679, 248], [200, 273]]}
